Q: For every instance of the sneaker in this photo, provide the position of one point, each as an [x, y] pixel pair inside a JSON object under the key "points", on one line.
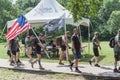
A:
{"points": [[119, 68], [78, 71], [30, 60], [12, 63], [71, 65], [19, 61], [61, 63], [41, 68], [97, 65], [116, 71], [90, 62]]}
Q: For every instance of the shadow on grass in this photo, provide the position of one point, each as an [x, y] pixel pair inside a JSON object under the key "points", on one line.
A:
{"points": [[35, 72], [86, 76]]}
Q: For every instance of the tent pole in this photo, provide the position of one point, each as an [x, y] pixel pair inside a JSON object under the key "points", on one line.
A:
{"points": [[89, 39], [40, 42], [66, 39], [3, 30], [79, 28]]}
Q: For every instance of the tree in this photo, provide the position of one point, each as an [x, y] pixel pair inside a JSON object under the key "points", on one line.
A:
{"points": [[64, 2], [114, 22], [107, 9], [27, 5], [84, 8], [8, 11]]}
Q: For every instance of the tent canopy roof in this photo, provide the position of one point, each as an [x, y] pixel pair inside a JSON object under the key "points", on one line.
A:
{"points": [[45, 11]]}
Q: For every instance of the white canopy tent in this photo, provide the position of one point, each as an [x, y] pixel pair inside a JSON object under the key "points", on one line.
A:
{"points": [[45, 11]]}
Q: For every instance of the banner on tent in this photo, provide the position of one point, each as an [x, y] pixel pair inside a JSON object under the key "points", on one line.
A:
{"points": [[54, 25]]}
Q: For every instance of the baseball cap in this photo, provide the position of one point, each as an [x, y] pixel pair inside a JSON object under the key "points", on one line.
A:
{"points": [[96, 33], [27, 36], [41, 34]]}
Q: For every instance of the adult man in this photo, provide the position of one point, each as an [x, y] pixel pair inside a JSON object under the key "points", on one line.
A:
{"points": [[13, 49], [76, 47], [28, 48], [96, 44], [18, 52], [117, 51], [38, 46], [64, 47]]}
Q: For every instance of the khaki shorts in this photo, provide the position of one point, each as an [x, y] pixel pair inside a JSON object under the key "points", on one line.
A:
{"points": [[117, 53], [28, 50]]}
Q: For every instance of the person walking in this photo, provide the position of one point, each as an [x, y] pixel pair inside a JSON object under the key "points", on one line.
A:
{"points": [[28, 48], [13, 50], [18, 52], [64, 46], [96, 44], [38, 46], [117, 52], [76, 47]]}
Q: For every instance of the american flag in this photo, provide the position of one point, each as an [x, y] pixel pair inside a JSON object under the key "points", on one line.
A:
{"points": [[19, 26]]}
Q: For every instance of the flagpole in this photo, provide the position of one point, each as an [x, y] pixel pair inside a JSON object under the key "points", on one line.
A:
{"points": [[3, 30], [40, 42]]}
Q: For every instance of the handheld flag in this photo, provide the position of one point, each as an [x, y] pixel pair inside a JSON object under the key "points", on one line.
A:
{"points": [[54, 24], [19, 26]]}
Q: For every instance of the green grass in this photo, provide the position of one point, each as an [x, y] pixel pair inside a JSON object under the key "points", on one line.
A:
{"points": [[106, 54], [6, 74]]}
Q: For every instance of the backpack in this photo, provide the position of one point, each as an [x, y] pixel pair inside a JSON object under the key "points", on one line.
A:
{"points": [[112, 42], [59, 41], [32, 42], [23, 40]]}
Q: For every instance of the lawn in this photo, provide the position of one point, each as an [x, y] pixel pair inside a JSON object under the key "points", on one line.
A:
{"points": [[106, 54], [6, 74], [106, 58]]}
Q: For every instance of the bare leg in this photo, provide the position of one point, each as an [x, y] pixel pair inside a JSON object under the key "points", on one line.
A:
{"points": [[61, 57], [28, 53]]}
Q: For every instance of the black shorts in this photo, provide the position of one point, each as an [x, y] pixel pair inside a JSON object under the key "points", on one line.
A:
{"points": [[117, 57], [63, 47], [96, 52], [8, 53], [14, 53], [18, 50], [38, 51]]}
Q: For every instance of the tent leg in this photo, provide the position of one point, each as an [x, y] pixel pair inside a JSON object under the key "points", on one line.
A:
{"points": [[3, 30], [88, 39]]}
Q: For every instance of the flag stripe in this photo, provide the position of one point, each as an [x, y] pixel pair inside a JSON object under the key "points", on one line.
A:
{"points": [[18, 27]]}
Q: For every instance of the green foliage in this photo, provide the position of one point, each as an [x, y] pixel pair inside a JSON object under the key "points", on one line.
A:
{"points": [[8, 11], [107, 21], [106, 10], [84, 8], [114, 22], [64, 3], [26, 5]]}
